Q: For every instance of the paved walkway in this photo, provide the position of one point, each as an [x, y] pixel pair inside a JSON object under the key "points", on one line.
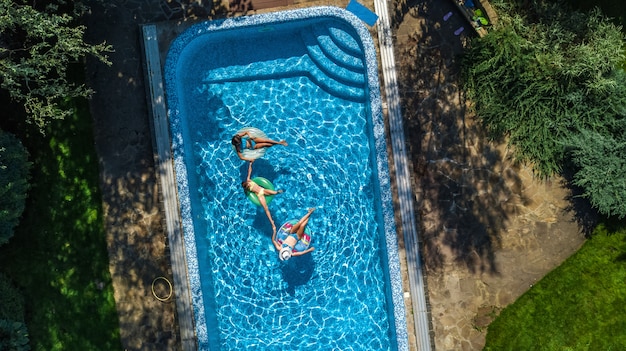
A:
{"points": [[136, 238], [404, 193]]}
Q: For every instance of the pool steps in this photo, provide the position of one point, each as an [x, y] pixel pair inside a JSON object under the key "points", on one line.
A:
{"points": [[346, 41], [330, 63], [341, 54], [290, 67]]}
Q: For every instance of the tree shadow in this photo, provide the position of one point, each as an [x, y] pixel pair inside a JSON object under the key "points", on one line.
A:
{"points": [[585, 215], [404, 7], [149, 11], [467, 187]]}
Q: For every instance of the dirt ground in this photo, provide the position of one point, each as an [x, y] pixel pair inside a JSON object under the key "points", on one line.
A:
{"points": [[489, 228]]}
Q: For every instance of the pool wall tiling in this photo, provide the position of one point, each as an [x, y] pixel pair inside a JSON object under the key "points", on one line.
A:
{"points": [[397, 310]]}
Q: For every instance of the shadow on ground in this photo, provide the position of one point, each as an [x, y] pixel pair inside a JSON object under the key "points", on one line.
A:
{"points": [[489, 229], [137, 242], [465, 182]]}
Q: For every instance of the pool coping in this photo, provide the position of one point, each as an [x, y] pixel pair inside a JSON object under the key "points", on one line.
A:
{"points": [[417, 286], [153, 56], [165, 171]]}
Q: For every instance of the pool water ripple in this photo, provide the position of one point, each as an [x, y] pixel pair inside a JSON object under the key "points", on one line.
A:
{"points": [[328, 167]]}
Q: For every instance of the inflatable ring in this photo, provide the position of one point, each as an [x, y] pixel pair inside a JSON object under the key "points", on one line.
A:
{"points": [[252, 154], [169, 286], [283, 233], [263, 183]]}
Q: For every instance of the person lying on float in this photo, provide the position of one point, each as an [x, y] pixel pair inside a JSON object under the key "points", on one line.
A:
{"points": [[255, 140], [294, 238], [250, 186]]}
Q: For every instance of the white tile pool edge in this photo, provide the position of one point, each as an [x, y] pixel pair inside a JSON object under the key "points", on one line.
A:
{"points": [[191, 291]]}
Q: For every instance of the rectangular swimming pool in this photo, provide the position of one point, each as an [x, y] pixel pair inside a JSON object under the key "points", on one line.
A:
{"points": [[310, 77]]}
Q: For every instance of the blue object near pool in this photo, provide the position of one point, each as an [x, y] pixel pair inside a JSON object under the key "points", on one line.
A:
{"points": [[362, 12], [308, 76]]}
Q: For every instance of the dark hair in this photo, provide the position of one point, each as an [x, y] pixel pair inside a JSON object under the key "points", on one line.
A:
{"points": [[236, 141]]}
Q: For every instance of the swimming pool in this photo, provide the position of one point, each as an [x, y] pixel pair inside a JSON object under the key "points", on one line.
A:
{"points": [[308, 76]]}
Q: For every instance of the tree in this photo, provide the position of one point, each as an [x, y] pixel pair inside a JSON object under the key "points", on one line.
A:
{"points": [[545, 77], [36, 47], [13, 332], [13, 336], [14, 171], [601, 168]]}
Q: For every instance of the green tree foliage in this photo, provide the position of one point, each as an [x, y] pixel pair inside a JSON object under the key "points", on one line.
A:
{"points": [[13, 336], [601, 169], [14, 172], [13, 333], [36, 47], [543, 77], [11, 301]]}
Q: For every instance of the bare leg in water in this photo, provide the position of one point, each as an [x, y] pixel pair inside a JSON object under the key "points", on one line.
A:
{"points": [[301, 225], [264, 142]]}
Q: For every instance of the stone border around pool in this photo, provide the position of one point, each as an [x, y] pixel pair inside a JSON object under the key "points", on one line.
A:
{"points": [[187, 247]]}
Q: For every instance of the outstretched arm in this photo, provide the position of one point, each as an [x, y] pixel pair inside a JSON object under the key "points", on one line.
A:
{"points": [[300, 253], [243, 158], [250, 170], [275, 242]]}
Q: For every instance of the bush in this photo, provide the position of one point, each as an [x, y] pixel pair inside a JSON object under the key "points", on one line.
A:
{"points": [[11, 301], [13, 336], [601, 169], [14, 171], [13, 333], [545, 77]]}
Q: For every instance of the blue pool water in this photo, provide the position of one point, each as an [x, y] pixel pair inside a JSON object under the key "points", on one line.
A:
{"points": [[309, 77]]}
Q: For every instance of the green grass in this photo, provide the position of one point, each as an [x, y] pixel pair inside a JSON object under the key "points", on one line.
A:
{"points": [[581, 305], [58, 256]]}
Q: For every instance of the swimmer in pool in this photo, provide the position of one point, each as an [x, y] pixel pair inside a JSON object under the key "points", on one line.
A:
{"points": [[252, 143], [285, 251], [260, 192]]}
